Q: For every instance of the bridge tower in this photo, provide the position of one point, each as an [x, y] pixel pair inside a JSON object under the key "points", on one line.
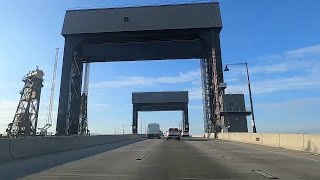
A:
{"points": [[26, 117]]}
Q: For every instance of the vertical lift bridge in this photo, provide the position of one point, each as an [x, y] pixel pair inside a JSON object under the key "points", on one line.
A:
{"points": [[183, 31]]}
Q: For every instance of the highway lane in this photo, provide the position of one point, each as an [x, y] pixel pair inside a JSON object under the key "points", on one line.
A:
{"points": [[188, 159]]}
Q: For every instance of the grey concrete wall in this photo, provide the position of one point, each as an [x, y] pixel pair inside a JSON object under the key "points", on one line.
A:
{"points": [[11, 149], [300, 142]]}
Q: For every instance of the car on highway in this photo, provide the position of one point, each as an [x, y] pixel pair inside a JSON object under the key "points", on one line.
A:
{"points": [[185, 133], [173, 133], [161, 134]]}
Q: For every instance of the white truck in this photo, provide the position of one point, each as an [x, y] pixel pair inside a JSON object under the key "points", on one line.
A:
{"points": [[153, 131]]}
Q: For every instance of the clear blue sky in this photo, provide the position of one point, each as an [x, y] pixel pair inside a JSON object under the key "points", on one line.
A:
{"points": [[279, 39]]}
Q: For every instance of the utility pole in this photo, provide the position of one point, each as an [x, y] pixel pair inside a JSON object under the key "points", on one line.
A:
{"points": [[122, 129]]}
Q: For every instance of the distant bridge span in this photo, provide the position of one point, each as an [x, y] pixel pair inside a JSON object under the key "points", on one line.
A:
{"points": [[160, 101]]}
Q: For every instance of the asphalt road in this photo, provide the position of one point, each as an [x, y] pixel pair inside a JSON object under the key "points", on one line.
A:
{"points": [[188, 159]]}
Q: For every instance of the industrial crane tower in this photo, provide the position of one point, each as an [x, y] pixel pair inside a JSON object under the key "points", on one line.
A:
{"points": [[26, 117], [48, 123]]}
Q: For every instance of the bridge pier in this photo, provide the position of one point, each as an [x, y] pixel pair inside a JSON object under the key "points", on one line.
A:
{"points": [[70, 89]]}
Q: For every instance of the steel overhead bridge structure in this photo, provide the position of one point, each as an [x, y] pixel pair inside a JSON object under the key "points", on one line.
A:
{"points": [[180, 31]]}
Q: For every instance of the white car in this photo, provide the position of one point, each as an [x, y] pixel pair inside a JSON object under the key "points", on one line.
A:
{"points": [[173, 133]]}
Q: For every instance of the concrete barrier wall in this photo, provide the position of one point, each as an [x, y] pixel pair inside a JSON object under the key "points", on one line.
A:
{"points": [[311, 143], [26, 147], [271, 140], [223, 136], [238, 137], [300, 142], [232, 137], [291, 141], [245, 137], [256, 138]]}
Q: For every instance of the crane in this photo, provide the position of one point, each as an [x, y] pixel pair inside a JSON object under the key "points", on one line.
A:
{"points": [[43, 130]]}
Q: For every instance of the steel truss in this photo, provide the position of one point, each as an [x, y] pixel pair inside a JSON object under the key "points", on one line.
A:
{"points": [[211, 93], [72, 123], [26, 117]]}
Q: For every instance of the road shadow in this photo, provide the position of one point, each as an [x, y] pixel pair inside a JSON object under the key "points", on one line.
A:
{"points": [[21, 168]]}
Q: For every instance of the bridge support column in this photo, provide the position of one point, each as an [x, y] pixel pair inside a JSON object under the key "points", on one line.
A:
{"points": [[185, 118], [75, 96], [135, 114], [211, 44], [70, 90], [217, 78]]}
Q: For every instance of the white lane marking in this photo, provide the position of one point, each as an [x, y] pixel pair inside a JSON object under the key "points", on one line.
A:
{"points": [[280, 153], [143, 156], [264, 174], [226, 157]]}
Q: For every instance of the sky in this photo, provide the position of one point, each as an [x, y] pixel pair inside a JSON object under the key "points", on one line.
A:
{"points": [[278, 39]]}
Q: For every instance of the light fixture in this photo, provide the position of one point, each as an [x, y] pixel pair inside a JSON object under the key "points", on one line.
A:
{"points": [[226, 68]]}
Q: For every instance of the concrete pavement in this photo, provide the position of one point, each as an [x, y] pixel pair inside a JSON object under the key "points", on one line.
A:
{"points": [[188, 159]]}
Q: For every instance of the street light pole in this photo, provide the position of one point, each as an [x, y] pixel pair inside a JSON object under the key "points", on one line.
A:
{"points": [[254, 129]]}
